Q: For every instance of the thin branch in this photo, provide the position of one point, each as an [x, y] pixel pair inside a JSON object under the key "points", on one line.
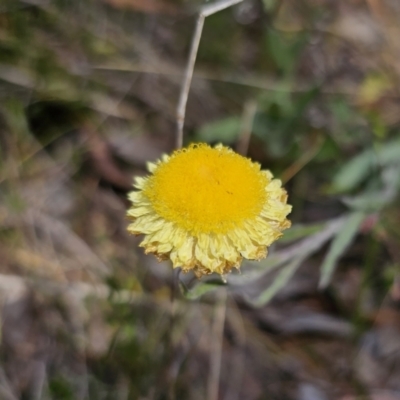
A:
{"points": [[181, 111], [301, 162], [211, 9], [205, 11]]}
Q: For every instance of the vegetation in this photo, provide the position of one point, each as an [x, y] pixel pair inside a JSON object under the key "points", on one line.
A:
{"points": [[88, 93]]}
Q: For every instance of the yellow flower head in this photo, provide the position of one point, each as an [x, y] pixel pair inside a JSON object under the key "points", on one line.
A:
{"points": [[206, 208]]}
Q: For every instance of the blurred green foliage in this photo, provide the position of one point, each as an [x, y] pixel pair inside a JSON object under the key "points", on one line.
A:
{"points": [[331, 136]]}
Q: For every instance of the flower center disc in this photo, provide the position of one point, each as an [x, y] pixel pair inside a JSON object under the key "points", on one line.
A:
{"points": [[207, 190]]}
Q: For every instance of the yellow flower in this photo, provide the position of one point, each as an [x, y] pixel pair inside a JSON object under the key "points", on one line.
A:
{"points": [[206, 208]]}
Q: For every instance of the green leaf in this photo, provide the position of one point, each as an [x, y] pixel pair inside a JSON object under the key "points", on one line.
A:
{"points": [[279, 50], [279, 282], [375, 200], [268, 264], [16, 118], [301, 104], [285, 49], [339, 245], [329, 151], [201, 289], [358, 169], [305, 248], [269, 5], [353, 172], [389, 152], [299, 231], [224, 130], [369, 202]]}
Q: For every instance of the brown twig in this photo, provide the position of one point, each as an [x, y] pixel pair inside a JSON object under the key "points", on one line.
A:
{"points": [[300, 163]]}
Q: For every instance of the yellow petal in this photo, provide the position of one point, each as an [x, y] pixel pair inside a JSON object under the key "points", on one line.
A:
{"points": [[139, 182], [151, 167], [206, 209], [139, 211]]}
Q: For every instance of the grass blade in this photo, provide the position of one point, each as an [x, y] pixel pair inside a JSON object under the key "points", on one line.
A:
{"points": [[342, 240], [353, 172], [279, 282]]}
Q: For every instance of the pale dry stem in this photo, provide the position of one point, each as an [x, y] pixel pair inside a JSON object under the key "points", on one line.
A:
{"points": [[249, 112], [217, 336], [205, 11]]}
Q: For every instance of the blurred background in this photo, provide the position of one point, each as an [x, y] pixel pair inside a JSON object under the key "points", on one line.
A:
{"points": [[88, 93]]}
